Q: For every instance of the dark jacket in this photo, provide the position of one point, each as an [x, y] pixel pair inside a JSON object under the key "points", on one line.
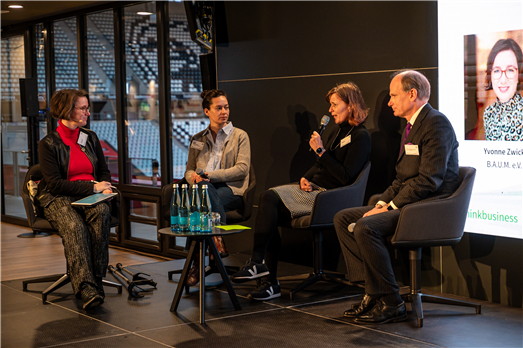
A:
{"points": [[433, 172], [341, 165], [54, 163]]}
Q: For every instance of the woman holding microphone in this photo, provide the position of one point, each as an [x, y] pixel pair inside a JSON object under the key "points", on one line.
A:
{"points": [[340, 160]]}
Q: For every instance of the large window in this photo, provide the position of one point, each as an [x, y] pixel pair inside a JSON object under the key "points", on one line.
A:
{"points": [[129, 127], [66, 54], [186, 86], [14, 126], [41, 78], [100, 49], [141, 113]]}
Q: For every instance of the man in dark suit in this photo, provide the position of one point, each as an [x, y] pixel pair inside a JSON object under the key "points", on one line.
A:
{"points": [[427, 168]]}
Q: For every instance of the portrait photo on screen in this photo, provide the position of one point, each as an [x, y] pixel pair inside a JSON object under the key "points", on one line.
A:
{"points": [[493, 74], [480, 89]]}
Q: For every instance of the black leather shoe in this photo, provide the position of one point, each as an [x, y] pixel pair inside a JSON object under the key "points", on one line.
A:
{"points": [[366, 304], [381, 314]]}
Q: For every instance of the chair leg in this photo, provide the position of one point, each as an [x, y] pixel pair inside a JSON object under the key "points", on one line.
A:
{"points": [[48, 279], [318, 273], [33, 234], [415, 301], [313, 278], [113, 285], [64, 280], [449, 301], [296, 277], [416, 297], [60, 281]]}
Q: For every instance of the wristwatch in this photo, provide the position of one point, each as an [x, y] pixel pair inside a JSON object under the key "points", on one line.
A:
{"points": [[319, 150], [390, 207]]}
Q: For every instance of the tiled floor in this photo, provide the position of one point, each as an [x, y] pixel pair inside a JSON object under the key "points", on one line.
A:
{"points": [[314, 319]]}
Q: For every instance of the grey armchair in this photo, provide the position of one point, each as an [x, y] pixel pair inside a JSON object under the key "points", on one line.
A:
{"points": [[326, 205], [433, 223]]}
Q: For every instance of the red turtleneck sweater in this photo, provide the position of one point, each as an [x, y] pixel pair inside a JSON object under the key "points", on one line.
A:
{"points": [[80, 168]]}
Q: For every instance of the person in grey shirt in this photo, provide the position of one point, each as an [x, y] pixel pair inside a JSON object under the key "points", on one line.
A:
{"points": [[223, 152]]}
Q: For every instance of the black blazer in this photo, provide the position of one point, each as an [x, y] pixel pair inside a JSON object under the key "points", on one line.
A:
{"points": [[432, 173], [341, 166]]}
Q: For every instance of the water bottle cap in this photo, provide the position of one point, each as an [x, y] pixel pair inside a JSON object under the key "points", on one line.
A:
{"points": [[204, 186], [194, 186], [184, 185], [175, 185]]}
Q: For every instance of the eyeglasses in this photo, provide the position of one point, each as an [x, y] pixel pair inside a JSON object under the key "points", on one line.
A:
{"points": [[84, 109], [510, 73]]}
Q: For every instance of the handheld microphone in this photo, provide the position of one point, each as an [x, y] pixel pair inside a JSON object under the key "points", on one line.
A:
{"points": [[323, 123], [201, 173]]}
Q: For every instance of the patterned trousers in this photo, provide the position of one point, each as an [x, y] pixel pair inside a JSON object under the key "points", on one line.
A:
{"points": [[85, 236]]}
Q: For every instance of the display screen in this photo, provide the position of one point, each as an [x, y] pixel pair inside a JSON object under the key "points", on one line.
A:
{"points": [[480, 85]]}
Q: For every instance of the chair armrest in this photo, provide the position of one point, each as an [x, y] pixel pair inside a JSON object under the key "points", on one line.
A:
{"points": [[434, 222], [330, 202], [167, 193], [115, 208], [29, 209]]}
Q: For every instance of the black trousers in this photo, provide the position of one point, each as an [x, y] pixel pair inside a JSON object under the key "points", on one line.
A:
{"points": [[365, 249], [267, 241], [85, 236]]}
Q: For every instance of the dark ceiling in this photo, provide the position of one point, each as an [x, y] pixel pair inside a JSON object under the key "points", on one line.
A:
{"points": [[34, 10]]}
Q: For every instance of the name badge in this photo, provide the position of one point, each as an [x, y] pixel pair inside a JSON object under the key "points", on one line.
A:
{"points": [[197, 145], [411, 150], [345, 140], [82, 139]]}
